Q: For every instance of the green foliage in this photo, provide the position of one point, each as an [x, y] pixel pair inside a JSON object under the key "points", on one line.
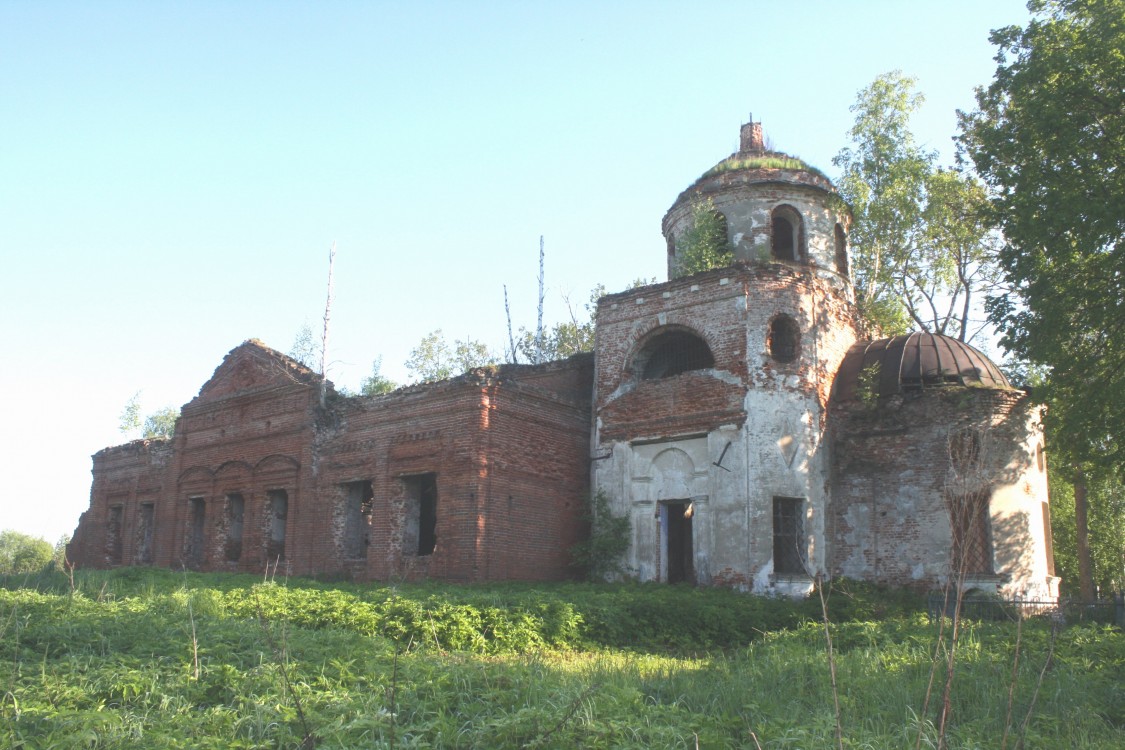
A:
{"points": [[766, 161], [130, 420], [434, 360], [599, 555], [1107, 529], [563, 339], [867, 385], [21, 554], [113, 665], [161, 423], [59, 559], [883, 179], [703, 245], [305, 348], [1047, 139], [376, 384]]}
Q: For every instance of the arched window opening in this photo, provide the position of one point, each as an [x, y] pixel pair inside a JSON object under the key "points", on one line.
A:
{"points": [[722, 232], [784, 339], [841, 251], [787, 236], [673, 353]]}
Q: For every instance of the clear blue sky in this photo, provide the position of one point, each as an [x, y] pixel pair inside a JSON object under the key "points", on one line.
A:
{"points": [[173, 174]]}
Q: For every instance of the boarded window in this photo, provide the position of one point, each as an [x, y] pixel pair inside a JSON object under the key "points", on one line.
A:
{"points": [[789, 544], [277, 514], [144, 534], [195, 554], [673, 353], [236, 510], [113, 541], [358, 503], [420, 534]]}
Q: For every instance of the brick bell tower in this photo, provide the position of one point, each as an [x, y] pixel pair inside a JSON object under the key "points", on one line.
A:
{"points": [[711, 389]]}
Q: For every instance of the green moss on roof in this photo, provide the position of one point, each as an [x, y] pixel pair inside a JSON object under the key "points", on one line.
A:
{"points": [[765, 161]]}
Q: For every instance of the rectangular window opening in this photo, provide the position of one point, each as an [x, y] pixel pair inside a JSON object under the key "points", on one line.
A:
{"points": [[790, 548], [358, 505], [197, 533], [113, 541], [144, 534], [277, 514], [972, 534], [421, 514], [236, 509]]}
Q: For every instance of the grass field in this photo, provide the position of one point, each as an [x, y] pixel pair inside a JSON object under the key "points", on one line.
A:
{"points": [[144, 658]]}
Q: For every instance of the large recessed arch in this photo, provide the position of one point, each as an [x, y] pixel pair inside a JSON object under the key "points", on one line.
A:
{"points": [[671, 351]]}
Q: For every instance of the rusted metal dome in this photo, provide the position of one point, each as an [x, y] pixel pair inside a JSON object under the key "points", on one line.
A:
{"points": [[913, 362]]}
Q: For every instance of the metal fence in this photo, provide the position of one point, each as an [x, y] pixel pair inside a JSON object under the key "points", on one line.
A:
{"points": [[1103, 611]]}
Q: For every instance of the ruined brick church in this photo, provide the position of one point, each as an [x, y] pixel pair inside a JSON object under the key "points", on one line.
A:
{"points": [[736, 416]]}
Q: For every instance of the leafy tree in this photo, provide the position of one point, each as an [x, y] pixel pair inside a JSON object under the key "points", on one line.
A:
{"points": [[704, 244], [59, 557], [433, 359], [20, 553], [1048, 139], [305, 349], [567, 338], [161, 423], [130, 419], [947, 279], [600, 554], [883, 179], [376, 384], [1106, 509], [923, 250]]}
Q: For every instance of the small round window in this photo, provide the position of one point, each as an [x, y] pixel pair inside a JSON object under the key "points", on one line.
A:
{"points": [[784, 339]]}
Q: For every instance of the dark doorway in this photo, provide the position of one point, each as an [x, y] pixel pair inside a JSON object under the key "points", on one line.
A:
{"points": [[679, 549], [144, 534], [236, 511], [359, 503], [277, 513], [421, 514], [197, 537]]}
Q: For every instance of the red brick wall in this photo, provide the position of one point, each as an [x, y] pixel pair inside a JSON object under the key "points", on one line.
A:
{"points": [[508, 448]]}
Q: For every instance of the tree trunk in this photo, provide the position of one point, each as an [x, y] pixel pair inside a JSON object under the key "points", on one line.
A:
{"points": [[1082, 537]]}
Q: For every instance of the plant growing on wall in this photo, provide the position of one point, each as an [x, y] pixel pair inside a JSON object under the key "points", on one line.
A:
{"points": [[704, 244], [599, 555]]}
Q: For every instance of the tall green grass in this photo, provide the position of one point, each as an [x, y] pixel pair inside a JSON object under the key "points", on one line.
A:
{"points": [[112, 665]]}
